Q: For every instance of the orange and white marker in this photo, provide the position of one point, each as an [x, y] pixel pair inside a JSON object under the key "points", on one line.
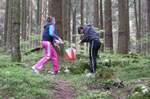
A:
{"points": [[70, 54]]}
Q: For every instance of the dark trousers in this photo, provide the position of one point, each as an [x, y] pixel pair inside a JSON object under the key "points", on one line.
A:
{"points": [[94, 47]]}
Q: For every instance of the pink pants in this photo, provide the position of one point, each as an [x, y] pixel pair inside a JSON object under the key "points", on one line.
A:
{"points": [[50, 53]]}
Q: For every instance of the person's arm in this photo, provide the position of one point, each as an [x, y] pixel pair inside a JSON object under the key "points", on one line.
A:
{"points": [[85, 38], [52, 32]]}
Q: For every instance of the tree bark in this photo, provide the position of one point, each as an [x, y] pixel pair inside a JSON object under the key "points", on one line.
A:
{"points": [[108, 26], [49, 7], [148, 20], [96, 14], [6, 23], [57, 13], [23, 20], [64, 19], [123, 35], [137, 25], [139, 35], [9, 32], [16, 54], [69, 19], [101, 24], [128, 25], [82, 13], [74, 21]]}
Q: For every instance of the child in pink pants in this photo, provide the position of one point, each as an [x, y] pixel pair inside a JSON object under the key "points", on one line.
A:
{"points": [[48, 37]]}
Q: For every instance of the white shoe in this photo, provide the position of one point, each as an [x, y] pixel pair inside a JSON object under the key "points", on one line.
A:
{"points": [[88, 74], [54, 73], [35, 70], [40, 67]]}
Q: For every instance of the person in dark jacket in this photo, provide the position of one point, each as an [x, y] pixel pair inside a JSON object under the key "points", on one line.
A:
{"points": [[91, 36], [48, 37]]}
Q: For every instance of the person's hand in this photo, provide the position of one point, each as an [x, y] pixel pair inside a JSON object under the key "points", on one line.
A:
{"points": [[79, 42], [60, 39]]}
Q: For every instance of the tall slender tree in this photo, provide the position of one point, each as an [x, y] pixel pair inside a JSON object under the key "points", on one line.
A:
{"points": [[82, 14], [57, 13], [74, 20], [128, 24], [87, 12], [6, 23], [148, 19], [9, 29], [123, 35], [96, 14], [15, 49], [101, 23], [108, 26], [139, 35], [23, 25], [69, 20], [137, 25], [64, 19]]}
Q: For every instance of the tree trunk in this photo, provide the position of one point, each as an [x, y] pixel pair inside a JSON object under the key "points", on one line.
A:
{"points": [[42, 16], [74, 21], [137, 25], [87, 13], [9, 31], [96, 14], [128, 25], [6, 23], [108, 26], [139, 35], [148, 20], [49, 7], [123, 35], [64, 19], [16, 55], [23, 20], [57, 13], [82, 14], [39, 11], [68, 21], [101, 24]]}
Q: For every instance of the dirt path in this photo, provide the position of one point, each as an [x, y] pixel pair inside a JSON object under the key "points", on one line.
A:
{"points": [[62, 90]]}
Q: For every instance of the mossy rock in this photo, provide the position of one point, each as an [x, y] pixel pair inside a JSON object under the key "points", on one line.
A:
{"points": [[140, 92]]}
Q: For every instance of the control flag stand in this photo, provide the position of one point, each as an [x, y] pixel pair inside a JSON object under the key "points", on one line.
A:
{"points": [[70, 54]]}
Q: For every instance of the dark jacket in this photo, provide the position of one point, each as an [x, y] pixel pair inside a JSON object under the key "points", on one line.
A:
{"points": [[45, 35], [89, 34]]}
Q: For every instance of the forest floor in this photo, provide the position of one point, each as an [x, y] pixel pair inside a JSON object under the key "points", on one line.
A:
{"points": [[62, 90], [18, 81]]}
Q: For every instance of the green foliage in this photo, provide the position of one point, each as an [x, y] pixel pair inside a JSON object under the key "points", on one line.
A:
{"points": [[105, 73], [140, 92], [4, 60], [20, 83], [75, 70]]}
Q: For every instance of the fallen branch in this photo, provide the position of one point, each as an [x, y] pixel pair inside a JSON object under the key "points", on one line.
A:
{"points": [[33, 50]]}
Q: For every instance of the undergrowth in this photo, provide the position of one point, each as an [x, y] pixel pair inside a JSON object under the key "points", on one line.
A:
{"points": [[18, 81]]}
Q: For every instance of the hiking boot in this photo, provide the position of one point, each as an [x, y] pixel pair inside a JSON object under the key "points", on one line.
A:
{"points": [[35, 70]]}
